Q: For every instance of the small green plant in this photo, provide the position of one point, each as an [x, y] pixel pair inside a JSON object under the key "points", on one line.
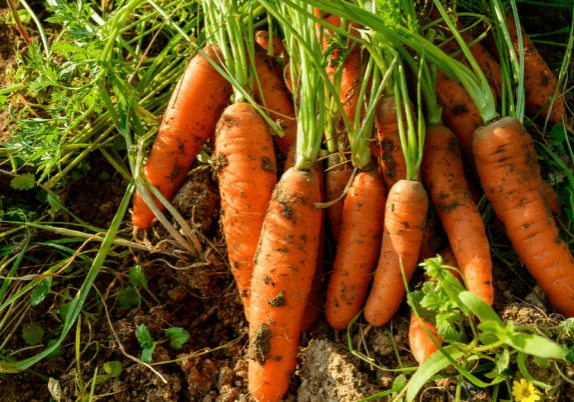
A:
{"points": [[131, 296], [175, 336], [444, 302]]}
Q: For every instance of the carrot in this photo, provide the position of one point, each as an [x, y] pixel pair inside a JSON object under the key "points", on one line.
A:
{"points": [[507, 165], [443, 175], [190, 118], [421, 345], [539, 82], [488, 64], [285, 264], [336, 180], [405, 211], [391, 159], [357, 249], [270, 91], [287, 78], [551, 198], [431, 241], [262, 37], [314, 307], [459, 113], [245, 162]]}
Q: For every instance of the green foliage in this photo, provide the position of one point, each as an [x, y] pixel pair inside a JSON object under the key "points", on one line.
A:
{"points": [[177, 337], [32, 333], [113, 369], [452, 309], [41, 291], [130, 296], [19, 183], [147, 343], [57, 352]]}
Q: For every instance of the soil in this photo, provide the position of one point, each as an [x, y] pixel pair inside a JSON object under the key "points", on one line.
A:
{"points": [[198, 294]]}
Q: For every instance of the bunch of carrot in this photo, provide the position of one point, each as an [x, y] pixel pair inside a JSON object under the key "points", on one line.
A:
{"points": [[388, 164]]}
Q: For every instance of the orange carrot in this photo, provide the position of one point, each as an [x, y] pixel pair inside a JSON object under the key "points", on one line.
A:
{"points": [[262, 37], [314, 307], [357, 249], [431, 239], [285, 264], [539, 82], [488, 64], [443, 175], [270, 92], [459, 113], [287, 78], [507, 165], [421, 345], [405, 211], [391, 159], [190, 118], [245, 161], [336, 180], [551, 197]]}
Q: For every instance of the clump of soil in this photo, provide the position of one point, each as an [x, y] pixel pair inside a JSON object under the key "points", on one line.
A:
{"points": [[331, 374]]}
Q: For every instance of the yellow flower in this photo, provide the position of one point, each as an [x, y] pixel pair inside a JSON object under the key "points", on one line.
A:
{"points": [[524, 391]]}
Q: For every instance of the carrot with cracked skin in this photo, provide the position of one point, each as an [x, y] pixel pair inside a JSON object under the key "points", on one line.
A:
{"points": [[286, 259], [245, 160], [282, 278], [539, 81], [190, 118], [314, 307], [508, 168], [357, 248], [443, 174]]}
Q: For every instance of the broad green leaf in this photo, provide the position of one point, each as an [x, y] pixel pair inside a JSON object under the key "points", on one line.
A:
{"points": [[32, 333], [400, 381], [137, 277], [21, 184], [102, 378], [479, 307], [544, 363], [536, 345], [147, 354], [558, 133], [144, 337], [114, 368], [59, 351], [177, 337], [501, 364], [40, 292], [63, 311], [435, 363], [129, 298]]}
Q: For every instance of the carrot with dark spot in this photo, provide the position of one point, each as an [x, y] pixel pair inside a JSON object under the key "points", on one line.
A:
{"points": [[192, 114]]}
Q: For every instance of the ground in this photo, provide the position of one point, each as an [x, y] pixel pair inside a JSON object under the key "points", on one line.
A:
{"points": [[198, 294]]}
